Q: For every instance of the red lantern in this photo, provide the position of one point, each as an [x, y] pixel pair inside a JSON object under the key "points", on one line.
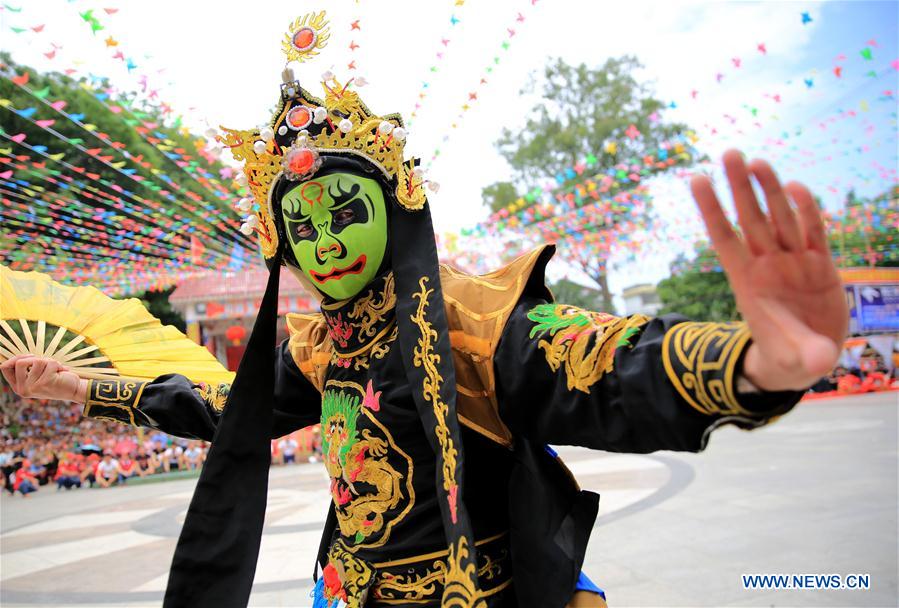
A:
{"points": [[235, 333]]}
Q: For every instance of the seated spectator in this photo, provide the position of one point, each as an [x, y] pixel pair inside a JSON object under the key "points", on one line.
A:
{"points": [[8, 465], [146, 462], [108, 471], [89, 469], [38, 470], [127, 468], [172, 458], [193, 455], [25, 482], [160, 441], [849, 383], [46, 470], [67, 474], [289, 447], [875, 381]]}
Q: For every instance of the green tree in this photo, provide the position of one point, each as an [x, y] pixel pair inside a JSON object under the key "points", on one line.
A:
{"points": [[698, 288], [582, 108], [498, 195], [157, 302]]}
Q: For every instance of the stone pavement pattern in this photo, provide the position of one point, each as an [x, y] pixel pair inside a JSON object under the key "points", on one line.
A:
{"points": [[815, 493]]}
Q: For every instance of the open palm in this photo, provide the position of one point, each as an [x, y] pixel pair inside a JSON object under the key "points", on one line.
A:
{"points": [[782, 274]]}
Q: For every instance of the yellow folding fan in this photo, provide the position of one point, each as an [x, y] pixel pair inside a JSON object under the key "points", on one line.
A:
{"points": [[94, 335]]}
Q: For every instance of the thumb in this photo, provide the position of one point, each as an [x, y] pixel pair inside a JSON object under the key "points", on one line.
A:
{"points": [[819, 354]]}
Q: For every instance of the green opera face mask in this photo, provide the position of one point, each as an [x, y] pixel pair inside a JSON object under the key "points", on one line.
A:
{"points": [[337, 228]]}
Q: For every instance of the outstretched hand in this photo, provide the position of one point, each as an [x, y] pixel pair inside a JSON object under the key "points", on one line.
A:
{"points": [[783, 277]]}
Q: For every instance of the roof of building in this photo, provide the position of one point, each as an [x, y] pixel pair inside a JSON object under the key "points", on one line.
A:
{"points": [[639, 289], [246, 284]]}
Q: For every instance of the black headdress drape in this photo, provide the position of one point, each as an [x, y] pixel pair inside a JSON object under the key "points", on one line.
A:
{"points": [[215, 560]]}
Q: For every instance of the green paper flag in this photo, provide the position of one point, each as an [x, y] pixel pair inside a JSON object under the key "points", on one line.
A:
{"points": [[42, 94], [866, 53]]}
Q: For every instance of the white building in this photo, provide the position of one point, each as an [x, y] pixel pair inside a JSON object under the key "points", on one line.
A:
{"points": [[641, 298]]}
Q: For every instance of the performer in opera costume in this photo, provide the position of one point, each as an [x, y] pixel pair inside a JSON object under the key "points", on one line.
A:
{"points": [[438, 392]]}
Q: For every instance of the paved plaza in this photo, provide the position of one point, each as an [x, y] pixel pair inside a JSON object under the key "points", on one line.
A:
{"points": [[815, 493]]}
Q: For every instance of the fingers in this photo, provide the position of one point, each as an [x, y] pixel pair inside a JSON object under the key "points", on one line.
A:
{"points": [[756, 228], [30, 376], [48, 376], [37, 368], [810, 215], [786, 228], [730, 248], [23, 365], [9, 374], [34, 368], [9, 363]]}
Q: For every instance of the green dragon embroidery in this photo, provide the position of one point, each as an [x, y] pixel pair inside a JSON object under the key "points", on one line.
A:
{"points": [[339, 414], [581, 340]]}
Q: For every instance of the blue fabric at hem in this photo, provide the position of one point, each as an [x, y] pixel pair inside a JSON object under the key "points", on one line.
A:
{"points": [[585, 584]]}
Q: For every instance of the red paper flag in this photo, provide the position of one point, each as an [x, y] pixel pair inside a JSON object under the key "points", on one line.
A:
{"points": [[196, 250]]}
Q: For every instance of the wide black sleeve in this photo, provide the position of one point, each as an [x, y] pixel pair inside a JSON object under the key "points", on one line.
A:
{"points": [[568, 376], [175, 405]]}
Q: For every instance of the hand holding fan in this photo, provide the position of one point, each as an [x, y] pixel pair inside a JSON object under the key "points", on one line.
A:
{"points": [[93, 335]]}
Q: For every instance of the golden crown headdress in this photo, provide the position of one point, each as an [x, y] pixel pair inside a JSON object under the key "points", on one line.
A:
{"points": [[304, 128]]}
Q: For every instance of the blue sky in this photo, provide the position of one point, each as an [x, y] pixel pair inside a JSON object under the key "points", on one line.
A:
{"points": [[851, 26]]}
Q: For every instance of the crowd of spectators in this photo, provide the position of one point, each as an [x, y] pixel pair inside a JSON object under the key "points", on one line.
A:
{"points": [[870, 374], [49, 444]]}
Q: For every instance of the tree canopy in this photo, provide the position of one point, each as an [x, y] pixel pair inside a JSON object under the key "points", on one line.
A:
{"points": [[107, 187], [582, 108], [698, 288], [591, 122]]}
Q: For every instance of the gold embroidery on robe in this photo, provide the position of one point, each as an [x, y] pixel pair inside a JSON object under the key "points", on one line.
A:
{"points": [[582, 342]]}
